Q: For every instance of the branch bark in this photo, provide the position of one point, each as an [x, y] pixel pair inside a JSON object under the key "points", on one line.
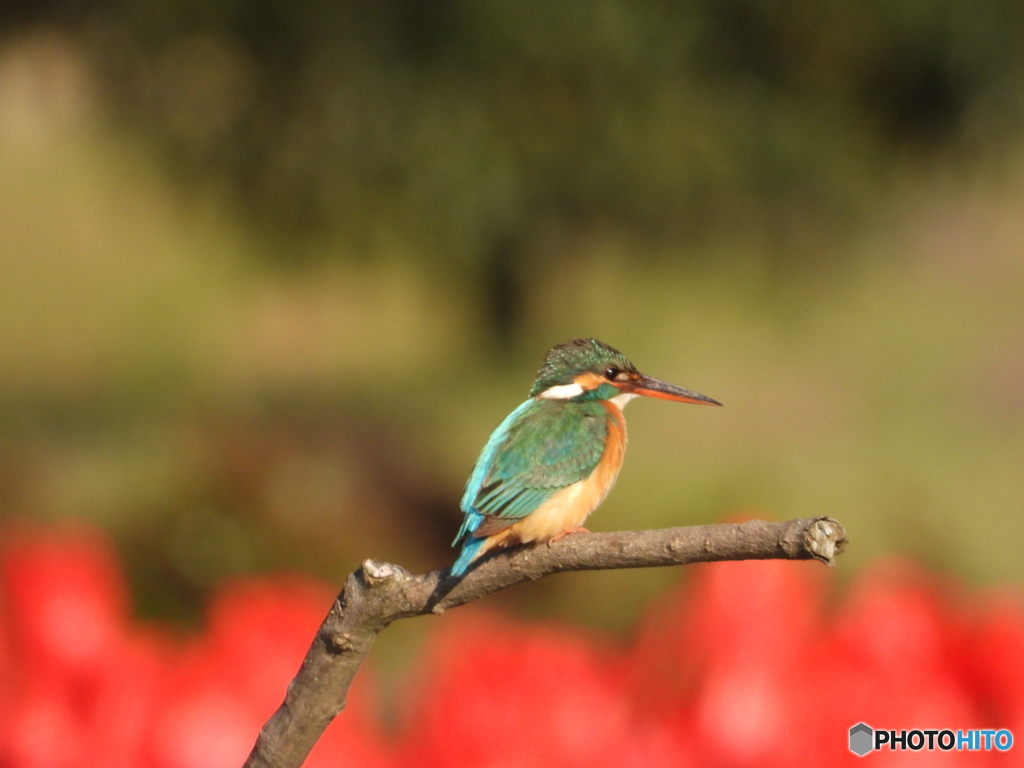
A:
{"points": [[379, 593]]}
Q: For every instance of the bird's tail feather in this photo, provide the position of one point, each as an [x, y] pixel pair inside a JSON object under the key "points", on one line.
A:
{"points": [[470, 549]]}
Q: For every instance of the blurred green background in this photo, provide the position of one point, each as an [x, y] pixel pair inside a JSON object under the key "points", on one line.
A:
{"points": [[271, 272]]}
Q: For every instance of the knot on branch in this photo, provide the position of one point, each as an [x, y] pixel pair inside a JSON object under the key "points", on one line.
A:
{"points": [[825, 538], [375, 573], [339, 642]]}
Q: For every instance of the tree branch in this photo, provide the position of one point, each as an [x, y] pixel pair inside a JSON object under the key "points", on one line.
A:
{"points": [[379, 593]]}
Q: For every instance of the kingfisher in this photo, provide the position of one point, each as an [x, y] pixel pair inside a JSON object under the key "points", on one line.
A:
{"points": [[552, 461]]}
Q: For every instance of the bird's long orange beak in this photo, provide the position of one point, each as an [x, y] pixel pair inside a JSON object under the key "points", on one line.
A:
{"points": [[649, 387]]}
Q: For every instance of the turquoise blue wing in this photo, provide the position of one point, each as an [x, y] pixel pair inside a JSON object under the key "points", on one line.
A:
{"points": [[542, 447]]}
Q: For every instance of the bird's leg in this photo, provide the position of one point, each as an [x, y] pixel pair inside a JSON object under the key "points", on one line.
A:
{"points": [[566, 532]]}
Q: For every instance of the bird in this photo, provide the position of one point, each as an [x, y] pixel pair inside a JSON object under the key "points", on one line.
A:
{"points": [[553, 460]]}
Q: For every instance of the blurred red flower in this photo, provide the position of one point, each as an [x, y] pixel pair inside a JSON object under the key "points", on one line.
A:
{"points": [[496, 693], [82, 685], [745, 665]]}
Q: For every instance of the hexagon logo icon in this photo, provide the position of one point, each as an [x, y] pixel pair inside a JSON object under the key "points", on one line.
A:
{"points": [[861, 737]]}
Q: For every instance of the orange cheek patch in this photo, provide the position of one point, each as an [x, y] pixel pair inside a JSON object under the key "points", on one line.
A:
{"points": [[589, 381]]}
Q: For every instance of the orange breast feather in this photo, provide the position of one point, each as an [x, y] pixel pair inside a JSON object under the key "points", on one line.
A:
{"points": [[569, 507]]}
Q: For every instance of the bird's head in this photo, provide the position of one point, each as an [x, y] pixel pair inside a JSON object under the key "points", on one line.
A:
{"points": [[587, 369]]}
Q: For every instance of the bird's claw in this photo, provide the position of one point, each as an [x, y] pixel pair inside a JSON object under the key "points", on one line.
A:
{"points": [[566, 532]]}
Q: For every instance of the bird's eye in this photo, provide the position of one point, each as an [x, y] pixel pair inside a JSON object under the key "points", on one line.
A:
{"points": [[611, 373]]}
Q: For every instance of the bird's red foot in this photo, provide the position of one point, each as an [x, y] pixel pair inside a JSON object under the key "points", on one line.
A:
{"points": [[566, 532]]}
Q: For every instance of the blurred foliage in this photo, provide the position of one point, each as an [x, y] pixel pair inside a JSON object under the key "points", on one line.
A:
{"points": [[471, 131], [809, 213]]}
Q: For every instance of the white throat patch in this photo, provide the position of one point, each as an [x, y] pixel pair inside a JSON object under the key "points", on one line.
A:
{"points": [[561, 392], [621, 400]]}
